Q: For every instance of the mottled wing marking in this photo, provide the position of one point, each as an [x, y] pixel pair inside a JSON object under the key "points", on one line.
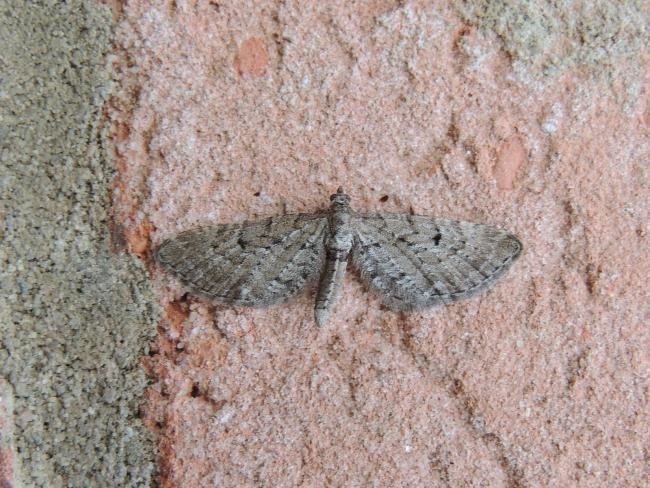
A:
{"points": [[257, 262], [416, 262]]}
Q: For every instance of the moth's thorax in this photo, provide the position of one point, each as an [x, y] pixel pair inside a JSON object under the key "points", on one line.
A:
{"points": [[340, 236]]}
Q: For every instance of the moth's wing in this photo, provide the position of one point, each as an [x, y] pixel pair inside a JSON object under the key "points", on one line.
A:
{"points": [[256, 263], [415, 262]]}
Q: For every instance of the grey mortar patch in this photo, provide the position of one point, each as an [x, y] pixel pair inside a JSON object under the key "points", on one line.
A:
{"points": [[74, 317], [544, 39]]}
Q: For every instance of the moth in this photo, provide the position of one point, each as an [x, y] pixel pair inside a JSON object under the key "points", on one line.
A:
{"points": [[410, 261]]}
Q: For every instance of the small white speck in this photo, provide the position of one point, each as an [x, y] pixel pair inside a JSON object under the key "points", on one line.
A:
{"points": [[225, 415], [551, 122], [549, 126], [408, 448]]}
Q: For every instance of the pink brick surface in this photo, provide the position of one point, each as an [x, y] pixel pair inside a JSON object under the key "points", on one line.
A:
{"points": [[236, 110]]}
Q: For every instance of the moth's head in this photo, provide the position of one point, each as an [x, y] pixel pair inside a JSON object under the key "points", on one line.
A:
{"points": [[340, 198]]}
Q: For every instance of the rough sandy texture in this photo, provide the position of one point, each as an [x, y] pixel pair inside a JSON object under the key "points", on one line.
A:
{"points": [[235, 110], [75, 315]]}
